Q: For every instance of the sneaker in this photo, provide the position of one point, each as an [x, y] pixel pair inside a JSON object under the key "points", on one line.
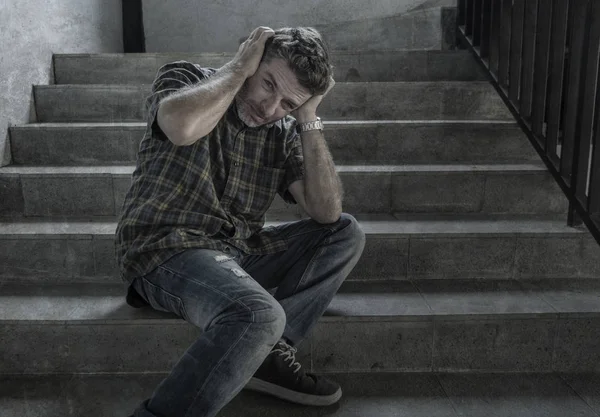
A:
{"points": [[282, 376]]}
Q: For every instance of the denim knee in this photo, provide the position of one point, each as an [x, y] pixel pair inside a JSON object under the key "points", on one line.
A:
{"points": [[262, 310], [353, 232]]}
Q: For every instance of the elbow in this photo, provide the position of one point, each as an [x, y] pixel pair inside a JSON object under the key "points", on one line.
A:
{"points": [[179, 131], [326, 219], [333, 218], [329, 217], [177, 139], [169, 126]]}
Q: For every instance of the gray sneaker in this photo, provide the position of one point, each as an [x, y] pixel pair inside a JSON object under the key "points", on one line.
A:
{"points": [[282, 376]]}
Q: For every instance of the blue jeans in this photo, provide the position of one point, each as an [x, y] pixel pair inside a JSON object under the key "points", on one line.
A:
{"points": [[226, 295]]}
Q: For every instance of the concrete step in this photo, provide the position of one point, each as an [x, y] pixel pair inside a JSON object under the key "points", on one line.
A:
{"points": [[458, 326], [416, 24], [365, 394], [100, 190], [398, 247], [349, 66], [452, 100], [351, 143]]}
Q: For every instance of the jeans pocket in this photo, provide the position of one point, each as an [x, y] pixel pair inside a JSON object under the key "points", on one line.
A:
{"points": [[162, 300]]}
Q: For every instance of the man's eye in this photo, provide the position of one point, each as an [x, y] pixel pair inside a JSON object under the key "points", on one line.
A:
{"points": [[269, 84]]}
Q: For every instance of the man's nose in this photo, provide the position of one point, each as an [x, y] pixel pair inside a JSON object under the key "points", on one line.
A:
{"points": [[269, 107]]}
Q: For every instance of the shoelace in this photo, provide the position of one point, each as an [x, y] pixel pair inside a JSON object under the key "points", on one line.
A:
{"points": [[289, 354]]}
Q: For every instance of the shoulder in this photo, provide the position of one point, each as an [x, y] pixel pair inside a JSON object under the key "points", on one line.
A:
{"points": [[185, 71]]}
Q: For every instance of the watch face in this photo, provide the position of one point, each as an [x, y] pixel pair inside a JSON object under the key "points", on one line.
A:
{"points": [[308, 126]]}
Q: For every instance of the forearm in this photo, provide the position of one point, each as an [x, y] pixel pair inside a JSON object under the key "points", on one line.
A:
{"points": [[193, 112], [322, 185]]}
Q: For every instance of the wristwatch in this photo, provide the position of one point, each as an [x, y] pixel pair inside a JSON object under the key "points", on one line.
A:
{"points": [[308, 126]]}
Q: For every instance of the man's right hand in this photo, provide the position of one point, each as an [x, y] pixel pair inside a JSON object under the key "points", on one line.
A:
{"points": [[250, 53]]}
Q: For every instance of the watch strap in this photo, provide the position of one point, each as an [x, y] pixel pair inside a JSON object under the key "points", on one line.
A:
{"points": [[308, 126]]}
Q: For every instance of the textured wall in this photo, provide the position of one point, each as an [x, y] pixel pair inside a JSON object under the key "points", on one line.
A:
{"points": [[31, 31], [215, 26]]}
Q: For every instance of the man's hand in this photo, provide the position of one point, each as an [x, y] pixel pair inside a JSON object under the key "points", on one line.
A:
{"points": [[250, 52], [308, 111]]}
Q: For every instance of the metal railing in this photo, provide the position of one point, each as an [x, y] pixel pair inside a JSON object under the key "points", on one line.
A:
{"points": [[543, 58]]}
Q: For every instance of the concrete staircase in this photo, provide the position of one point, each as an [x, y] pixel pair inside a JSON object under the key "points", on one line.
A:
{"points": [[472, 297]]}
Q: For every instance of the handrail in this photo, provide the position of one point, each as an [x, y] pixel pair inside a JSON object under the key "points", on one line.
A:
{"points": [[542, 56]]}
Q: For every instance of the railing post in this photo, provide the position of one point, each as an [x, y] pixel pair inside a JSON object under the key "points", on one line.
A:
{"points": [[486, 19], [529, 40], [496, 17], [477, 22], [516, 48], [505, 41], [573, 219], [578, 105], [460, 19], [594, 192], [589, 101], [557, 70], [542, 62], [469, 17], [536, 40]]}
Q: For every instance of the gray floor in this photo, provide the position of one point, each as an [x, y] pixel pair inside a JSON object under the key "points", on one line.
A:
{"points": [[370, 395]]}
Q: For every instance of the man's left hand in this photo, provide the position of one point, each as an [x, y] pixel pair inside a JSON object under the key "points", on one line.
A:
{"points": [[308, 111]]}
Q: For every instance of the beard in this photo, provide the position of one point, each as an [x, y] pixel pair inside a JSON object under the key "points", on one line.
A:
{"points": [[244, 108], [244, 112]]}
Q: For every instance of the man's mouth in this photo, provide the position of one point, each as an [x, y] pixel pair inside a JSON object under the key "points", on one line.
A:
{"points": [[255, 115]]}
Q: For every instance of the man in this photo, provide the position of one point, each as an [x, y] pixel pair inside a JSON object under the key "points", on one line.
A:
{"points": [[219, 145]]}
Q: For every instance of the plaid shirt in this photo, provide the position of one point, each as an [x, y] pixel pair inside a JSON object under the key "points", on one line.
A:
{"points": [[214, 191]]}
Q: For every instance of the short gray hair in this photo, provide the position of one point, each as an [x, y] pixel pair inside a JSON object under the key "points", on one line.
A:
{"points": [[306, 54]]}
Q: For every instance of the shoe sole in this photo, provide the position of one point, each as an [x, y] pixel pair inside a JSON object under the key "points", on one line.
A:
{"points": [[265, 387]]}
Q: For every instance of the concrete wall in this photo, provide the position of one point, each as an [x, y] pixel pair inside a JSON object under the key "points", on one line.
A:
{"points": [[30, 32], [216, 26]]}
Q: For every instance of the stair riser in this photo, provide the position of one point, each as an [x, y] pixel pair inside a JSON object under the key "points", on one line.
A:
{"points": [[348, 67], [364, 394], [542, 344], [349, 145], [48, 258], [372, 192], [347, 101]]}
